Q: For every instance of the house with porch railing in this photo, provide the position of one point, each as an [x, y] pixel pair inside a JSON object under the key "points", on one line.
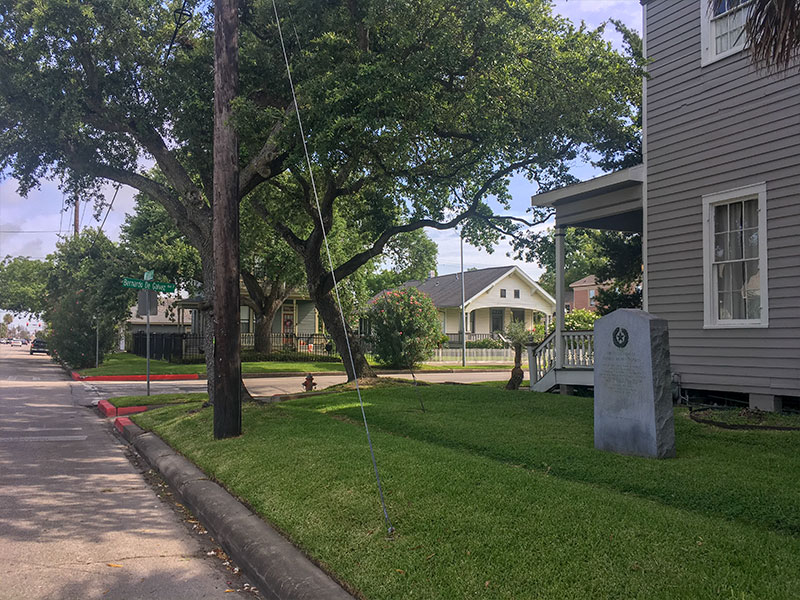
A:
{"points": [[716, 203], [492, 298]]}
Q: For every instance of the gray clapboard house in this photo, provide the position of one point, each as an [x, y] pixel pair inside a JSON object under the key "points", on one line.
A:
{"points": [[717, 201]]}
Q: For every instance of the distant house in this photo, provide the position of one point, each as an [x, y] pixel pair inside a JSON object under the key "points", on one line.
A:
{"points": [[297, 318], [493, 298], [171, 318], [584, 294], [716, 203]]}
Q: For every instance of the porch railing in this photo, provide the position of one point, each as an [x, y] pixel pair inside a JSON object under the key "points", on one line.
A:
{"points": [[578, 349], [544, 356], [578, 352]]}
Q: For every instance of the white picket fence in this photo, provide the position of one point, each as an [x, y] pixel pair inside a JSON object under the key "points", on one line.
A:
{"points": [[474, 355]]}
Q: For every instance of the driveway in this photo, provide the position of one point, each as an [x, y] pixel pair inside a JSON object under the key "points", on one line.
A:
{"points": [[77, 518]]}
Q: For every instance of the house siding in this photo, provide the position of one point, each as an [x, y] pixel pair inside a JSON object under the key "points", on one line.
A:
{"points": [[711, 129]]}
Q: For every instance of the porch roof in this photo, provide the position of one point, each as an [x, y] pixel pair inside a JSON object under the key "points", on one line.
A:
{"points": [[612, 201]]}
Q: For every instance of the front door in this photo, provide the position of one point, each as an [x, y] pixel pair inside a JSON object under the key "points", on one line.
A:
{"points": [[497, 319]]}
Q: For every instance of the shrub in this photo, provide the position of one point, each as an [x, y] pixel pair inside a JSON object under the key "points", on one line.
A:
{"points": [[287, 356], [580, 319], [405, 328]]}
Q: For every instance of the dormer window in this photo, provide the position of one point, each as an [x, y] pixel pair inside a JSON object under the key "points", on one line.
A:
{"points": [[722, 28]]}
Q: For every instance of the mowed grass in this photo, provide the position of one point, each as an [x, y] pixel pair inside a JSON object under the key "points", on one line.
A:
{"points": [[158, 399], [499, 494], [125, 363]]}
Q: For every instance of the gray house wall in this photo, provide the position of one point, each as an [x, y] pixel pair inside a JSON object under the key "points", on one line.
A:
{"points": [[711, 129]]}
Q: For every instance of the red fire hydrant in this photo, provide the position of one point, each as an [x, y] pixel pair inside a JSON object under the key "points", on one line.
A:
{"points": [[308, 383]]}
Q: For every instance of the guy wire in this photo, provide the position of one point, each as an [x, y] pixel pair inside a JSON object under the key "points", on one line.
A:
{"points": [[389, 527]]}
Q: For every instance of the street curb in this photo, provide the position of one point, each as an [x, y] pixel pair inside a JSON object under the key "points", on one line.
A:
{"points": [[106, 408], [277, 567]]}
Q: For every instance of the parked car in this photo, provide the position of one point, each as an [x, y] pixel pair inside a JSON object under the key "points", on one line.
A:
{"points": [[24, 342], [39, 346], [5, 341], [16, 343]]}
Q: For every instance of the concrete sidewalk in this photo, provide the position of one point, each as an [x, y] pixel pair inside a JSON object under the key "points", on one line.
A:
{"points": [[77, 519], [279, 569]]}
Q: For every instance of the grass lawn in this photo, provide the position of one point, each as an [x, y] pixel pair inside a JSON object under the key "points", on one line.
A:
{"points": [[125, 363], [183, 398], [499, 494]]}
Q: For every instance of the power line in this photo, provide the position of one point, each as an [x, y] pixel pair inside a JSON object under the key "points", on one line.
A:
{"points": [[30, 231]]}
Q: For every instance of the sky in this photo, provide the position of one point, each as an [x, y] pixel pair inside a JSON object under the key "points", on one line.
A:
{"points": [[31, 226]]}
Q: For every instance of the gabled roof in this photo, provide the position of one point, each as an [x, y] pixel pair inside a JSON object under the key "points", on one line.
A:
{"points": [[445, 290], [588, 280]]}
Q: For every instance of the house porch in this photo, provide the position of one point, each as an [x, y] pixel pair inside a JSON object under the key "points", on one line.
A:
{"points": [[612, 202]]}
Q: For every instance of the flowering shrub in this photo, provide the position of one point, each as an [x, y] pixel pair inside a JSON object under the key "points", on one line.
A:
{"points": [[405, 328], [580, 320]]}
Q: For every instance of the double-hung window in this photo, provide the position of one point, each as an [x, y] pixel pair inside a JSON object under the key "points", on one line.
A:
{"points": [[722, 28], [735, 258]]}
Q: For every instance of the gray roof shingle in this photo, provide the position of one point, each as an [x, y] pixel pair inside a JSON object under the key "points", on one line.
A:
{"points": [[445, 290]]}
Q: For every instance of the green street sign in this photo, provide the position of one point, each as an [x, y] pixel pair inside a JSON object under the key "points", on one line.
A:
{"points": [[148, 275], [141, 284]]}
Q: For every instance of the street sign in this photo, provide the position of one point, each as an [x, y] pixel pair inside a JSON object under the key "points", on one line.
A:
{"points": [[146, 303], [141, 284], [148, 275]]}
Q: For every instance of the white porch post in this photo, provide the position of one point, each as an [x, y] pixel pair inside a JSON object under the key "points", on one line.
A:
{"points": [[559, 237]]}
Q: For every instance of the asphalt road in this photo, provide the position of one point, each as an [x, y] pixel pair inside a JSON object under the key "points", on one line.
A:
{"points": [[77, 517], [269, 386]]}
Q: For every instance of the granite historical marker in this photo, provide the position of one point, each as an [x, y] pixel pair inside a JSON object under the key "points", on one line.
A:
{"points": [[632, 385]]}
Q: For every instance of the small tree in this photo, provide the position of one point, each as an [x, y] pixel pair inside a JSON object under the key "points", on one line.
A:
{"points": [[519, 336], [405, 328]]}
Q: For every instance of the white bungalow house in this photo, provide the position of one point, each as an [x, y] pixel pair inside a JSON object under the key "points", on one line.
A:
{"points": [[493, 298]]}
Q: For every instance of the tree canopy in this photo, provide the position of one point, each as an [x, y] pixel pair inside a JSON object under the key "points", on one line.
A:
{"points": [[415, 115], [22, 285]]}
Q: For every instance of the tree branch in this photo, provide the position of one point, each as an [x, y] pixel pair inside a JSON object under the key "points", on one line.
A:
{"points": [[268, 161], [349, 267]]}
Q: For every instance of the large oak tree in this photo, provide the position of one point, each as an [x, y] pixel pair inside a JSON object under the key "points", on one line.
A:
{"points": [[416, 113]]}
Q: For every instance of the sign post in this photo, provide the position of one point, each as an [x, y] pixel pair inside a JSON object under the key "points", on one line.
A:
{"points": [[145, 284], [147, 337]]}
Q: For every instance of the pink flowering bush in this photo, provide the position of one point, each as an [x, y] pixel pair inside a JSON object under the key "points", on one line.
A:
{"points": [[405, 328]]}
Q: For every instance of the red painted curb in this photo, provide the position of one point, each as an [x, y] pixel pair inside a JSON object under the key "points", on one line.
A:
{"points": [[75, 376], [108, 409], [130, 410], [165, 377], [121, 422]]}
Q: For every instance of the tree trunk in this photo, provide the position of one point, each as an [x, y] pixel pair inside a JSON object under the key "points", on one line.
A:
{"points": [[227, 341], [517, 374], [263, 332], [329, 312]]}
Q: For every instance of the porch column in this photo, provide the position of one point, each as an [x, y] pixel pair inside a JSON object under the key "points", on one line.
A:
{"points": [[559, 329]]}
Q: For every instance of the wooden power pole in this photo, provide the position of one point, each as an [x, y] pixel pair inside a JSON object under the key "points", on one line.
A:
{"points": [[227, 377], [77, 217]]}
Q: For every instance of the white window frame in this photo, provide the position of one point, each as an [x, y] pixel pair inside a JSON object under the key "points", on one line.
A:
{"points": [[709, 51], [710, 321]]}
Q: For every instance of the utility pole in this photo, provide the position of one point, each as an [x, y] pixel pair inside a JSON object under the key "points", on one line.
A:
{"points": [[227, 364], [77, 219], [463, 309]]}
